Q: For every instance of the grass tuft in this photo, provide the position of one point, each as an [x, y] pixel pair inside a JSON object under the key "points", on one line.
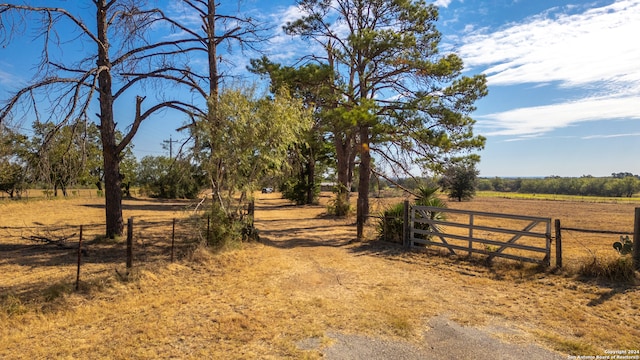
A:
{"points": [[620, 270], [12, 305], [56, 291], [568, 346], [201, 255], [401, 325]]}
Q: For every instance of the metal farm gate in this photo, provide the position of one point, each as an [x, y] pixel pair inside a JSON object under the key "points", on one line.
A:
{"points": [[515, 237]]}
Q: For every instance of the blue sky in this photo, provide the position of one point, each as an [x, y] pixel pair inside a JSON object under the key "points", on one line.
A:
{"points": [[564, 80]]}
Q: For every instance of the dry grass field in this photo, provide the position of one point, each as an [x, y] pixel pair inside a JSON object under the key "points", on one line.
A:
{"points": [[304, 280]]}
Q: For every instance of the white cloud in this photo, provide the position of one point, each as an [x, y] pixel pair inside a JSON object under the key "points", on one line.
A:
{"points": [[542, 119], [593, 51], [613, 136], [442, 3], [287, 48], [574, 49], [8, 80]]}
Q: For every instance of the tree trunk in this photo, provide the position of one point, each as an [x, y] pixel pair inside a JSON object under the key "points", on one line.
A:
{"points": [[113, 194], [112, 180], [311, 177], [363, 183], [343, 157], [212, 52]]}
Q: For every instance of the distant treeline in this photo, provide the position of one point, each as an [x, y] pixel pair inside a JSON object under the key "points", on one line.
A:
{"points": [[617, 185]]}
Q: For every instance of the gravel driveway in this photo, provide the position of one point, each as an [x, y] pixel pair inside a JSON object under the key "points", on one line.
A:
{"points": [[444, 339]]}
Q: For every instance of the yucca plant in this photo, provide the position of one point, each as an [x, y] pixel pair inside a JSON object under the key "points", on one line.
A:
{"points": [[391, 224], [427, 197]]}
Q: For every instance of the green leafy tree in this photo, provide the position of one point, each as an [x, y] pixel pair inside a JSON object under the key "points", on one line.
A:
{"points": [[70, 155], [399, 97], [257, 133], [14, 155], [311, 84], [167, 178], [459, 180], [60, 153]]}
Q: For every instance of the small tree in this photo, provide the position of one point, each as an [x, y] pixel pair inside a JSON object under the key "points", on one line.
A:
{"points": [[257, 133], [13, 162], [166, 178], [459, 180]]}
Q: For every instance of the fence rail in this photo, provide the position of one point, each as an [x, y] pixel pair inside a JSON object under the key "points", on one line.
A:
{"points": [[519, 238]]}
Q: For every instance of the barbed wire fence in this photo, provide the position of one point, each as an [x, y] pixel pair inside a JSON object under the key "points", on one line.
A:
{"points": [[147, 240]]}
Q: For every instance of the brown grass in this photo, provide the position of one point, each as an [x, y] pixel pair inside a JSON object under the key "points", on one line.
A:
{"points": [[304, 279]]}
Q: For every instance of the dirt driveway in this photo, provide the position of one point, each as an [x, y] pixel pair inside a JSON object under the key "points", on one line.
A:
{"points": [[403, 305]]}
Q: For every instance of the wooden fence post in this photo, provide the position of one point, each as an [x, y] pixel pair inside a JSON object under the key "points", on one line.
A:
{"points": [[636, 240], [406, 232], [173, 237], [208, 230], [558, 243], [79, 260], [129, 244]]}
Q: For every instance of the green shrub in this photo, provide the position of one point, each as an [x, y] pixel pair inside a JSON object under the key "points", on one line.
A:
{"points": [[228, 231], [390, 226], [296, 191], [339, 206]]}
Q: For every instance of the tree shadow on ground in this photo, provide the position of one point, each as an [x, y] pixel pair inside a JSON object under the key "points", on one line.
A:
{"points": [[617, 290], [307, 236], [162, 207]]}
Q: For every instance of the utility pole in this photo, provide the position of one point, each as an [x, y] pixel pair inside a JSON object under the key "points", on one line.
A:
{"points": [[170, 142]]}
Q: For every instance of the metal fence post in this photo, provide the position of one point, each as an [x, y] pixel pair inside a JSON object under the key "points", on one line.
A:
{"points": [[636, 240], [173, 237], [129, 244], [79, 260]]}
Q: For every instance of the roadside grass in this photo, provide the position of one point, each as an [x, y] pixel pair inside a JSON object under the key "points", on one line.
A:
{"points": [[305, 278]]}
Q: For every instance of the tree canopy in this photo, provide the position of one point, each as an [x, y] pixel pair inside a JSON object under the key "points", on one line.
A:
{"points": [[398, 96]]}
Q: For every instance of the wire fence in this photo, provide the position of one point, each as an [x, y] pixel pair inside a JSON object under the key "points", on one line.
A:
{"points": [[575, 244], [55, 252]]}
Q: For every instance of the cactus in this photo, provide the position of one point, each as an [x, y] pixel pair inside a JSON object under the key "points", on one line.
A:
{"points": [[624, 246]]}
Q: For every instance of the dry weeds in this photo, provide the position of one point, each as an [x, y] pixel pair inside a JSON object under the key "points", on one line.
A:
{"points": [[306, 278]]}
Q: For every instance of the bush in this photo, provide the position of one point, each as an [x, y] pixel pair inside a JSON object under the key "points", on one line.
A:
{"points": [[616, 270], [390, 226], [227, 231], [340, 206], [296, 191], [624, 246]]}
